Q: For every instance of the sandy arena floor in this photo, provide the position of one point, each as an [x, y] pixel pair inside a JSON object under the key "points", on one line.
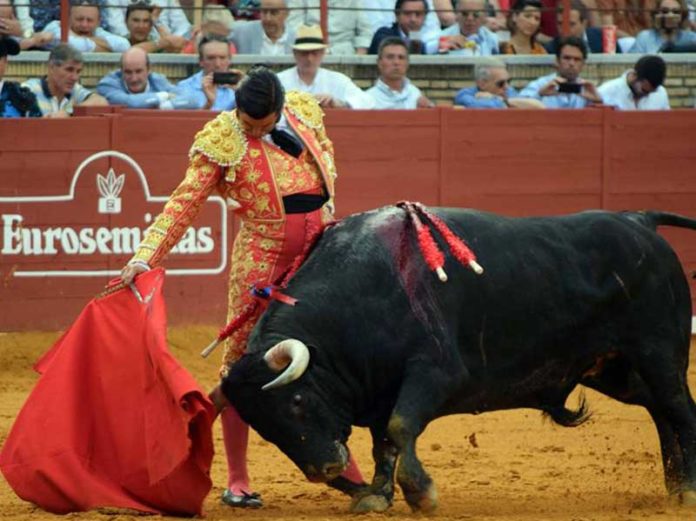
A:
{"points": [[499, 466]]}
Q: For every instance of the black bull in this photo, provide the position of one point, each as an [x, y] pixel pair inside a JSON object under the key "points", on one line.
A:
{"points": [[376, 340]]}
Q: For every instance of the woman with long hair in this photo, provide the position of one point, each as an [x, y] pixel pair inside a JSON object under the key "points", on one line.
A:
{"points": [[524, 23]]}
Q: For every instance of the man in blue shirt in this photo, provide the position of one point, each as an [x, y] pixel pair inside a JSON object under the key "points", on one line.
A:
{"points": [[85, 33], [564, 89], [15, 101], [492, 89], [214, 56], [136, 87]]}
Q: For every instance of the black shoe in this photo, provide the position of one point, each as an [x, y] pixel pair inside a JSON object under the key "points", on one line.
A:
{"points": [[245, 500]]}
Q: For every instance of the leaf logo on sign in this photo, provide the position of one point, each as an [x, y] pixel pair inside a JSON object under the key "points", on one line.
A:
{"points": [[110, 188]]}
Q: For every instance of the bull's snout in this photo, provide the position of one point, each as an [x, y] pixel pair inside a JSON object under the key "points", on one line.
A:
{"points": [[330, 470], [333, 470]]}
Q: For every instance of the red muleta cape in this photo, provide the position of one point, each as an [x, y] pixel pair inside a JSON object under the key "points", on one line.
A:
{"points": [[114, 420]]}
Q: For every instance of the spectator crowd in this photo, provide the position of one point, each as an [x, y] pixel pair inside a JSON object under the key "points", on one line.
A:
{"points": [[391, 29]]}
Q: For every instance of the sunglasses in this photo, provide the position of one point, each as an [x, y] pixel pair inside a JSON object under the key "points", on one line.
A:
{"points": [[501, 83], [670, 11], [466, 13]]}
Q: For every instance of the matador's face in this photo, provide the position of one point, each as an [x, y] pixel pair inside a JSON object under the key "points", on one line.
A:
{"points": [[257, 127]]}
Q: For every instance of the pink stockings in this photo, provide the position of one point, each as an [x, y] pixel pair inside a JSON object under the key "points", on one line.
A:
{"points": [[235, 434]]}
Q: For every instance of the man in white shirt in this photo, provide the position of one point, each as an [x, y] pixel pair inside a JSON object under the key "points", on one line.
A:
{"points": [[349, 26], [269, 36], [393, 90], [85, 33], [639, 88], [332, 89]]}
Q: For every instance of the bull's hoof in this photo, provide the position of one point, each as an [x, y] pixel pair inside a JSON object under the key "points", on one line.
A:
{"points": [[369, 503], [688, 498], [425, 502]]}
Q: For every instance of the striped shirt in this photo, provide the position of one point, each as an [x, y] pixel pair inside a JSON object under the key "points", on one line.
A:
{"points": [[49, 104]]}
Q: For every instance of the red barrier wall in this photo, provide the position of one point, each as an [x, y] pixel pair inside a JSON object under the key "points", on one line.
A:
{"points": [[511, 162]]}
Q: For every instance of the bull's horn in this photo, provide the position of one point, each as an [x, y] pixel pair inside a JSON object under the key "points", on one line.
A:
{"points": [[291, 352]]}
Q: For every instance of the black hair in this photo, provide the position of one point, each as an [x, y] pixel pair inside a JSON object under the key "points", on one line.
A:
{"points": [[651, 68], [576, 5], [210, 38], [519, 5], [397, 6], [517, 8], [85, 3], [138, 6], [390, 40], [260, 93], [573, 41]]}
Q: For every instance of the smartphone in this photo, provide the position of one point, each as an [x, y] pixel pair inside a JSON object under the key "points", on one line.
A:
{"points": [[226, 78], [570, 88]]}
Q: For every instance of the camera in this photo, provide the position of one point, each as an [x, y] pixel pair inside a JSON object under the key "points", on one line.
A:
{"points": [[226, 78], [570, 88]]}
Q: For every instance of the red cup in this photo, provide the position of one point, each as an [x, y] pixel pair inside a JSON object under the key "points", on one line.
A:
{"points": [[443, 45], [609, 39]]}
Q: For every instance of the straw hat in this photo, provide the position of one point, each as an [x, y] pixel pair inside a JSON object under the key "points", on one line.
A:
{"points": [[309, 38]]}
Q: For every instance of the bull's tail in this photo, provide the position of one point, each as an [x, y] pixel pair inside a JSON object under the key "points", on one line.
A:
{"points": [[652, 219], [567, 417]]}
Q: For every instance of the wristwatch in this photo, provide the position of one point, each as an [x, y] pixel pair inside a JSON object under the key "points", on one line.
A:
{"points": [[28, 33]]}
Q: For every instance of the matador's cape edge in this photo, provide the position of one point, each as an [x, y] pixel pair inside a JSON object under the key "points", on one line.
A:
{"points": [[114, 420]]}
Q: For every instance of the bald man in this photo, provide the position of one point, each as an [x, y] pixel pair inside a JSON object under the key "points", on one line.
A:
{"points": [[136, 87]]}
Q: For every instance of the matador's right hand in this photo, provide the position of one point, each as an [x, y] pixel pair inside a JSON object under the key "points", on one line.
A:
{"points": [[129, 272]]}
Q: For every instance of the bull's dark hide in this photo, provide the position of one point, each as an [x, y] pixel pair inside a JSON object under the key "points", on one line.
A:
{"points": [[596, 298]]}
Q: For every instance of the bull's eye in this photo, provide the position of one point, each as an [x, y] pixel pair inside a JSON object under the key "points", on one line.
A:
{"points": [[296, 407]]}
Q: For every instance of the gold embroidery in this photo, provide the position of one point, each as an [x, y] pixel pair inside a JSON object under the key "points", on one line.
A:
{"points": [[221, 140], [305, 108], [182, 207]]}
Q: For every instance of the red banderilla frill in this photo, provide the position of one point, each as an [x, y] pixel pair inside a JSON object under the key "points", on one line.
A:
{"points": [[434, 258], [262, 294]]}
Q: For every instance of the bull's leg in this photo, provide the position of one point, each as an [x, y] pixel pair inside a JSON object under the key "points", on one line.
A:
{"points": [[423, 393], [672, 456], [418, 488], [657, 380], [619, 380], [672, 401], [379, 496]]}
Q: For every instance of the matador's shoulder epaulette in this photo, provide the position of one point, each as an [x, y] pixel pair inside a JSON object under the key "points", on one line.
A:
{"points": [[221, 140], [305, 108]]}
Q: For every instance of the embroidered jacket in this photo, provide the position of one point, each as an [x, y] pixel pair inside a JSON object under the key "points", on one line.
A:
{"points": [[223, 157]]}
